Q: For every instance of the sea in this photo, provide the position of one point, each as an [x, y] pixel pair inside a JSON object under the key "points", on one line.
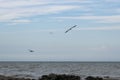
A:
{"points": [[37, 69]]}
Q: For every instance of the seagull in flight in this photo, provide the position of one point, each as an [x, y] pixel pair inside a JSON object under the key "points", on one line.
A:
{"points": [[31, 50], [70, 28]]}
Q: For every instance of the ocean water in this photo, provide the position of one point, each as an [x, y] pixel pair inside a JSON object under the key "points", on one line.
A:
{"points": [[37, 69]]}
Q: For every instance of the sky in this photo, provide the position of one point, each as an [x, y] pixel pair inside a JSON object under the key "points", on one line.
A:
{"points": [[40, 25]]}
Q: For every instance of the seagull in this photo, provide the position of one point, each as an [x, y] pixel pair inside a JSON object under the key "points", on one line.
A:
{"points": [[31, 50], [70, 28], [50, 32]]}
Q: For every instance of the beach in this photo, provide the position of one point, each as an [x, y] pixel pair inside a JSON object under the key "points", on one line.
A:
{"points": [[35, 70], [58, 77]]}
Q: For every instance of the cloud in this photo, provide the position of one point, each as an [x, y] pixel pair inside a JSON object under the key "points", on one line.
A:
{"points": [[75, 1], [98, 19], [118, 10], [112, 0], [101, 28], [14, 22], [21, 3], [24, 3], [33, 11], [99, 48], [19, 9], [11, 10]]}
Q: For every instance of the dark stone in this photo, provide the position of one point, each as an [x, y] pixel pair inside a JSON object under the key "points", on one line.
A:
{"points": [[59, 77], [12, 78], [93, 78]]}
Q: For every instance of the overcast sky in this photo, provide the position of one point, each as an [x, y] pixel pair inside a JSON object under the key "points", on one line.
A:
{"points": [[40, 25]]}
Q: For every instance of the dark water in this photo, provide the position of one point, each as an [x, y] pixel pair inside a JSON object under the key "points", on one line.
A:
{"points": [[35, 69]]}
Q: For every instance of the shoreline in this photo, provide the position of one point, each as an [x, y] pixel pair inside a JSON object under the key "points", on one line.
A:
{"points": [[53, 76]]}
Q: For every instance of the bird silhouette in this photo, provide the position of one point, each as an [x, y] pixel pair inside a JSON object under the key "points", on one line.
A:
{"points": [[31, 50], [70, 28]]}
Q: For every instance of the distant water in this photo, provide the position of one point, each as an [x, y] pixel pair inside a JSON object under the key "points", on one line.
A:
{"points": [[36, 69]]}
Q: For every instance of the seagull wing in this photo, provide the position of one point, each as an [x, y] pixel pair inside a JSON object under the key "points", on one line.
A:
{"points": [[70, 28], [31, 50]]}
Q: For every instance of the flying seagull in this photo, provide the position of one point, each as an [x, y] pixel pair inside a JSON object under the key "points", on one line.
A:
{"points": [[70, 28], [31, 50]]}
